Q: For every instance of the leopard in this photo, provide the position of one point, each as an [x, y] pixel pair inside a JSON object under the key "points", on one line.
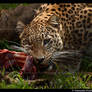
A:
{"points": [[57, 27]]}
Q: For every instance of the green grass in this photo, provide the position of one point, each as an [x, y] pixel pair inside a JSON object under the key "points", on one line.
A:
{"points": [[62, 80], [72, 81], [21, 84]]}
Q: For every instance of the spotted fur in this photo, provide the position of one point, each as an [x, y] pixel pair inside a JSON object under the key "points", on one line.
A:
{"points": [[58, 27]]}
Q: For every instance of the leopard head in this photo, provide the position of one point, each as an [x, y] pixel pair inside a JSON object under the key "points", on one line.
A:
{"points": [[41, 38]]}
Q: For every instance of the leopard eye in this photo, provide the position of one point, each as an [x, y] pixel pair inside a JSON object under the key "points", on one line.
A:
{"points": [[55, 25], [46, 41]]}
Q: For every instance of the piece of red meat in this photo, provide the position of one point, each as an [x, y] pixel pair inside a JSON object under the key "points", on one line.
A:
{"points": [[29, 68], [9, 58]]}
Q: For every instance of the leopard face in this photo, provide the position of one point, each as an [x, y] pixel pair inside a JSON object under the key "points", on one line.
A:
{"points": [[40, 41], [57, 27]]}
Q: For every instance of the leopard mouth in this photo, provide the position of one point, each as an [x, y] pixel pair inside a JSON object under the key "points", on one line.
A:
{"points": [[47, 59], [40, 60]]}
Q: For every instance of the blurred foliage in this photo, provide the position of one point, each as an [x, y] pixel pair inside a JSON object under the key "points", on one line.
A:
{"points": [[9, 5], [5, 44], [86, 64]]}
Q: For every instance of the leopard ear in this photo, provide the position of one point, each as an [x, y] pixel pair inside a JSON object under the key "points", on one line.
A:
{"points": [[20, 26], [54, 20]]}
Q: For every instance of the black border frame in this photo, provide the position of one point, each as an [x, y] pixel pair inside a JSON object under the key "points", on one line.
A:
{"points": [[44, 1]]}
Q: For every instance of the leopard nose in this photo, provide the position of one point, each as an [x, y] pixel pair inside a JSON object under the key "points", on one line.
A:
{"points": [[41, 60]]}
